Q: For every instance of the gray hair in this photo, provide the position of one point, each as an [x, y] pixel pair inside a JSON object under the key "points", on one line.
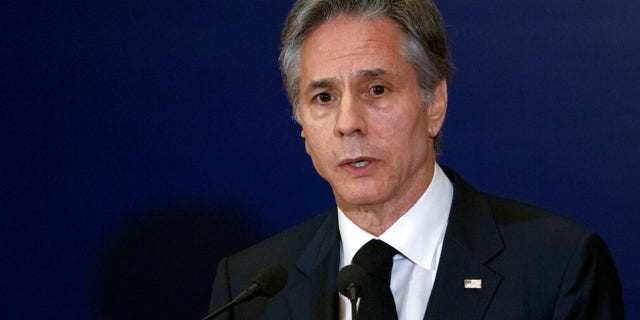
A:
{"points": [[424, 45]]}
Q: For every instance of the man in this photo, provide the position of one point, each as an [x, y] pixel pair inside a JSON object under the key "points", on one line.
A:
{"points": [[368, 84]]}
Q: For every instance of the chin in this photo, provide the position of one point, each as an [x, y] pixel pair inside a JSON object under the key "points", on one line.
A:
{"points": [[361, 198], [361, 192]]}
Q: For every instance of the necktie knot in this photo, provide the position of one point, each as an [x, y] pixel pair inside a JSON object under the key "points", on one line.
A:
{"points": [[376, 257]]}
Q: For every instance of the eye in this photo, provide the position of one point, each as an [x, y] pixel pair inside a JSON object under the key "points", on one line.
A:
{"points": [[378, 90], [323, 98]]}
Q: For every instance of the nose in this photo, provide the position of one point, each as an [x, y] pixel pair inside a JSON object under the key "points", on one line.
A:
{"points": [[351, 117]]}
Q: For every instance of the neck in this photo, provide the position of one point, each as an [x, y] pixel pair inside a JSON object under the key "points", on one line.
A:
{"points": [[377, 218]]}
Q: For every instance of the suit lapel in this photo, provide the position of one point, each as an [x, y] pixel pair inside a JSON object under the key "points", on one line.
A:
{"points": [[471, 240], [315, 297]]}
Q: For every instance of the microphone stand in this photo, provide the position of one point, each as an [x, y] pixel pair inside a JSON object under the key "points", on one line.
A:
{"points": [[269, 281], [250, 293], [354, 310], [353, 297], [220, 310], [352, 282]]}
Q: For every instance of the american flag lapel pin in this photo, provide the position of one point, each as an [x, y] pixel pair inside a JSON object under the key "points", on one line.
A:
{"points": [[473, 283]]}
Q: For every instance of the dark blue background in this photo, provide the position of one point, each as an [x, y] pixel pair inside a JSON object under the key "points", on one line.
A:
{"points": [[142, 140]]}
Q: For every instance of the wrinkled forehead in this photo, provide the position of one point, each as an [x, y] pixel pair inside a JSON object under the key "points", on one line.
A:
{"points": [[364, 44]]}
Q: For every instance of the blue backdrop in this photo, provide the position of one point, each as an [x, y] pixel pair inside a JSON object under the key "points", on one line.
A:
{"points": [[143, 140]]}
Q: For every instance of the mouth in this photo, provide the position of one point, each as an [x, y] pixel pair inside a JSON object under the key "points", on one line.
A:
{"points": [[356, 163], [359, 164]]}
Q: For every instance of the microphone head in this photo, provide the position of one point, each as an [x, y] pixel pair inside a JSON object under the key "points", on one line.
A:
{"points": [[271, 280], [352, 276]]}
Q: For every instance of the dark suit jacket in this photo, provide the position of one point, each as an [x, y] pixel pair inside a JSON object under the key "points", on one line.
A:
{"points": [[533, 265]]}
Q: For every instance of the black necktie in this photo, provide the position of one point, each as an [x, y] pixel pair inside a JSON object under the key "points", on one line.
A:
{"points": [[377, 303]]}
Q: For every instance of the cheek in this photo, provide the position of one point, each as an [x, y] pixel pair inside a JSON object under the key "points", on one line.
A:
{"points": [[390, 128], [404, 132], [307, 146], [320, 156], [313, 143]]}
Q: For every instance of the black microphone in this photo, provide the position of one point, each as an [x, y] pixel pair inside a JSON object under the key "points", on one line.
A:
{"points": [[352, 283], [267, 283]]}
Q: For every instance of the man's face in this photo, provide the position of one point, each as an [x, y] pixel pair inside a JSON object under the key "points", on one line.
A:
{"points": [[366, 128]]}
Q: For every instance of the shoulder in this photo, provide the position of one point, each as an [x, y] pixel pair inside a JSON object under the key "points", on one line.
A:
{"points": [[284, 248], [516, 222], [525, 221], [539, 239], [526, 235], [564, 261]]}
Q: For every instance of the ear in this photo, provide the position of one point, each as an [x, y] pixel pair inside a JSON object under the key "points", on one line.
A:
{"points": [[437, 108]]}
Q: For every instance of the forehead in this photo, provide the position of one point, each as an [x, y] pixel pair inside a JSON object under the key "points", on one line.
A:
{"points": [[348, 45]]}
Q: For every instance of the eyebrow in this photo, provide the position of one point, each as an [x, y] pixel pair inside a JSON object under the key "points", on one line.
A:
{"points": [[321, 84], [331, 82], [372, 73]]}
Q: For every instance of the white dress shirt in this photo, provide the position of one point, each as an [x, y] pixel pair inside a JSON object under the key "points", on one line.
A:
{"points": [[418, 236]]}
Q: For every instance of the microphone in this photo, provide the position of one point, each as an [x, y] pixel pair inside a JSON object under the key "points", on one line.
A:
{"points": [[267, 283], [352, 283]]}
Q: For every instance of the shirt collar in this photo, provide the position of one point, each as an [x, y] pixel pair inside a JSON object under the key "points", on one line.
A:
{"points": [[416, 234]]}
